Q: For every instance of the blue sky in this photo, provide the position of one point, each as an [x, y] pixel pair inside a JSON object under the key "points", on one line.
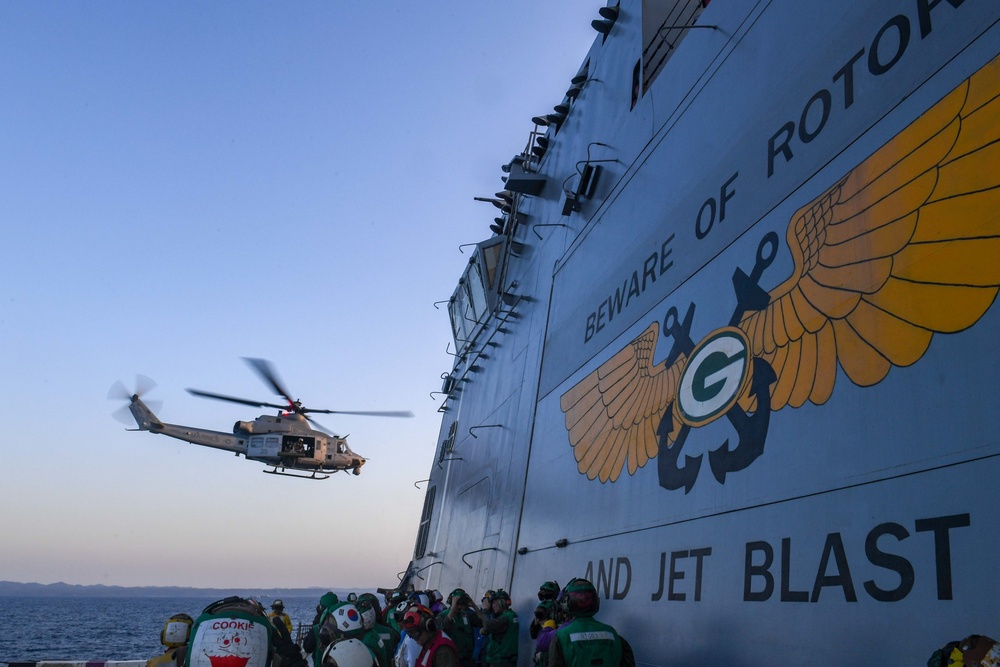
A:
{"points": [[186, 183]]}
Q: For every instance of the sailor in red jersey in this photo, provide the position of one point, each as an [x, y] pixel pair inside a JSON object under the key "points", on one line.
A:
{"points": [[437, 649]]}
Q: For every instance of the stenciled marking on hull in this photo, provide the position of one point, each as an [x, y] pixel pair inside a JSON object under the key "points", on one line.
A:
{"points": [[902, 247]]}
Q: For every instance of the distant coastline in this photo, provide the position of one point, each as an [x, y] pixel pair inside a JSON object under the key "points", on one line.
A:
{"points": [[15, 589]]}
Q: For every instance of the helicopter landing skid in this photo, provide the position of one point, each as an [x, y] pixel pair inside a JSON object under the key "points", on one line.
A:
{"points": [[285, 473]]}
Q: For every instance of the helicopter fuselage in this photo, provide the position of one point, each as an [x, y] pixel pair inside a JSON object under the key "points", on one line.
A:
{"points": [[284, 441]]}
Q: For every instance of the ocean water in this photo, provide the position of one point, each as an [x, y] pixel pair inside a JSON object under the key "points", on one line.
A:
{"points": [[102, 628]]}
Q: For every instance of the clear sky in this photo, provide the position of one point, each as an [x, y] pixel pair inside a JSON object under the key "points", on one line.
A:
{"points": [[183, 184]]}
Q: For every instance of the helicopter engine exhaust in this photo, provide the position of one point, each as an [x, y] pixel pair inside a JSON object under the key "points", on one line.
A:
{"points": [[242, 427]]}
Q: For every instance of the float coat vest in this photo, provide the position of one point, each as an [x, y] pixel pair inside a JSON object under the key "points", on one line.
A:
{"points": [[461, 632], [230, 633], [587, 642], [426, 657], [504, 649], [374, 642]]}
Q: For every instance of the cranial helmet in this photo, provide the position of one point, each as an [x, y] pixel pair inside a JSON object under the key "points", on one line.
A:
{"points": [[421, 598], [345, 621], [544, 609], [457, 594], [579, 598], [277, 605], [500, 595], [548, 591], [348, 653], [980, 651], [400, 609], [419, 618], [373, 601], [368, 613], [176, 631]]}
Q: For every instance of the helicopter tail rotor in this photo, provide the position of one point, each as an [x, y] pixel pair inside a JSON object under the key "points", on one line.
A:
{"points": [[126, 414]]}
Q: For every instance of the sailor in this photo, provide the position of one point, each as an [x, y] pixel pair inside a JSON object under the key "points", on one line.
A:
{"points": [[547, 591], [341, 619], [502, 630], [174, 636], [310, 642], [408, 649], [479, 651], [347, 652], [371, 637], [389, 636], [973, 651], [286, 652], [278, 613], [547, 620], [459, 621], [585, 641], [233, 630], [436, 649]]}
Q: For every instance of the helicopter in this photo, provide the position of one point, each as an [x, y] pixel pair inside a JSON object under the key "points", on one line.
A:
{"points": [[291, 442]]}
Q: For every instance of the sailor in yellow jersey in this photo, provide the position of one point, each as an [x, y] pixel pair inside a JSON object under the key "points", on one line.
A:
{"points": [[174, 636], [278, 612]]}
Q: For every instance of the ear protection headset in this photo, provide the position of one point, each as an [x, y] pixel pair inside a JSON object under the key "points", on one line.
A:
{"points": [[419, 617], [176, 631]]}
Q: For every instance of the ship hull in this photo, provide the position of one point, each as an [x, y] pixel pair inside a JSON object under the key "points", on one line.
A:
{"points": [[747, 386]]}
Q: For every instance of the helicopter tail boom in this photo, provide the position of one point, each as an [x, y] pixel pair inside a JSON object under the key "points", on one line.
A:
{"points": [[144, 417]]}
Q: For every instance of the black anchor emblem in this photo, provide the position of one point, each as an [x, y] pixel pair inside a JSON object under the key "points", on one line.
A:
{"points": [[751, 428]]}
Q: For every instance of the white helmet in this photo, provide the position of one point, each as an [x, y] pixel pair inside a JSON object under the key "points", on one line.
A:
{"points": [[367, 617], [345, 621], [348, 653]]}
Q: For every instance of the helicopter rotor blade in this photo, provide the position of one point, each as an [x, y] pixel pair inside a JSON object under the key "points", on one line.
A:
{"points": [[124, 415], [234, 399], [266, 371], [143, 385], [119, 392], [320, 427], [364, 413]]}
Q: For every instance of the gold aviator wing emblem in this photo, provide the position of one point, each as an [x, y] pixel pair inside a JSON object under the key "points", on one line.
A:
{"points": [[904, 246]]}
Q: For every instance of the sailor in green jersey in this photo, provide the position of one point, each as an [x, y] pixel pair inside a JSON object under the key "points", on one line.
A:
{"points": [[460, 621], [585, 641], [371, 637], [389, 637], [502, 629]]}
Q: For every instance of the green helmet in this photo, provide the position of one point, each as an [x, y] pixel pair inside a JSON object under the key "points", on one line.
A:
{"points": [[579, 598], [548, 591]]}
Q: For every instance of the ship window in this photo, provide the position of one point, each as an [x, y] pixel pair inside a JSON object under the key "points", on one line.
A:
{"points": [[457, 311], [664, 26], [425, 524], [478, 291], [491, 261], [448, 444], [635, 82]]}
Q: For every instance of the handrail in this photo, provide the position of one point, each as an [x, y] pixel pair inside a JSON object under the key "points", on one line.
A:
{"points": [[475, 552], [472, 428]]}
